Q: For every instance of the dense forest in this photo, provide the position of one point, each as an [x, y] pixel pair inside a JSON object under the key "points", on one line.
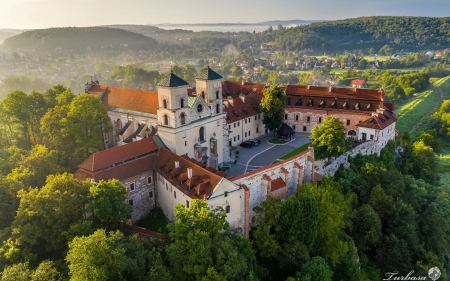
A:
{"points": [[401, 33], [77, 38]]}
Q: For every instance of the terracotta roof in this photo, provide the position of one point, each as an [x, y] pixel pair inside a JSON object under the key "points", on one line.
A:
{"points": [[171, 80], [277, 184], [129, 99], [202, 182], [234, 88], [358, 82], [120, 172], [114, 156], [317, 176], [241, 110], [379, 121], [209, 74], [334, 92]]}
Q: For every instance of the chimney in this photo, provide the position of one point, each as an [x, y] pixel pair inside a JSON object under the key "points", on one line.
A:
{"points": [[331, 89], [177, 164], [242, 97], [189, 171], [243, 82], [230, 101], [308, 87]]}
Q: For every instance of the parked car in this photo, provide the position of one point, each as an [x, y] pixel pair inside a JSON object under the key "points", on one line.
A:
{"points": [[255, 142], [247, 144]]}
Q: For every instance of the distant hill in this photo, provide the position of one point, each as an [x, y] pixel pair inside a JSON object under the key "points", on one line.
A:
{"points": [[6, 33], [400, 33], [77, 38]]}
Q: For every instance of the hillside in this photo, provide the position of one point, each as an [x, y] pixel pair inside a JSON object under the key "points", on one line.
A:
{"points": [[77, 38], [4, 35], [407, 33]]}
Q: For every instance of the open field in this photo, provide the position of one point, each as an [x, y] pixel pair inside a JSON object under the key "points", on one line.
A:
{"points": [[444, 161]]}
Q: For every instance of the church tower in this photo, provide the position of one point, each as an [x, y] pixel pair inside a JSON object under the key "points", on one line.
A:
{"points": [[173, 101], [209, 86]]}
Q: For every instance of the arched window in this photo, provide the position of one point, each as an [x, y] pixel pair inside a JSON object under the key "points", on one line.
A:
{"points": [[288, 101], [203, 94], [201, 134], [351, 133], [183, 118], [166, 120], [217, 108], [164, 103], [217, 95], [182, 103]]}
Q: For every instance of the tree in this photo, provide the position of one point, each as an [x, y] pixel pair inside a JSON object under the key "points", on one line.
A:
{"points": [[272, 107], [107, 203], [9, 202], [231, 256], [304, 79], [86, 122], [237, 72], [109, 256], [328, 138], [44, 214], [316, 269]]}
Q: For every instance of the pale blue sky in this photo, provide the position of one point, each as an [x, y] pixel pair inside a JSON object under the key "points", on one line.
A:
{"points": [[57, 13]]}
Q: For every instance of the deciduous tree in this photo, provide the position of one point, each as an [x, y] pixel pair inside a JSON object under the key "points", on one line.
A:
{"points": [[272, 107], [328, 138]]}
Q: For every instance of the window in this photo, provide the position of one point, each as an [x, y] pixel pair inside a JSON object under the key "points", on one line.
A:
{"points": [[245, 134], [187, 203], [238, 124], [182, 118], [149, 180], [229, 127], [293, 127], [238, 137], [167, 187], [217, 95], [130, 202], [234, 125], [259, 116], [185, 143], [304, 128], [348, 122], [150, 194], [132, 186], [234, 138], [257, 130], [174, 194], [285, 117], [166, 120], [248, 133], [201, 133], [225, 193], [245, 121], [182, 103], [199, 108], [371, 137], [320, 120], [249, 120], [227, 209], [256, 117], [296, 117], [217, 108], [308, 119], [164, 103]]}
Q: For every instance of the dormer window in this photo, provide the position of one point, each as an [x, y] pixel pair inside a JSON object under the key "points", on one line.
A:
{"points": [[299, 102], [357, 106], [310, 103]]}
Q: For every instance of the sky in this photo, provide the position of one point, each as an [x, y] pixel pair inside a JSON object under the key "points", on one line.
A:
{"points": [[34, 14]]}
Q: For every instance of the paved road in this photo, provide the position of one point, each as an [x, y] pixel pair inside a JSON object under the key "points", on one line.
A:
{"points": [[263, 154]]}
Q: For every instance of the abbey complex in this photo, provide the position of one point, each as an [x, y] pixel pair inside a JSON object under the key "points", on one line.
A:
{"points": [[168, 147]]}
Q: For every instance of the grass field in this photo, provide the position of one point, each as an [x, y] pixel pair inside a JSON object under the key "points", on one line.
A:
{"points": [[296, 151], [277, 141], [444, 161], [411, 111]]}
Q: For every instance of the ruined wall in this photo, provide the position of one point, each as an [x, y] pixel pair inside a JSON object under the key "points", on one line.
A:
{"points": [[143, 195]]}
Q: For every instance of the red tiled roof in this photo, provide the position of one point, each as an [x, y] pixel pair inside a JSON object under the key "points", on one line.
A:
{"points": [[379, 121], [203, 181], [120, 172], [129, 99], [234, 88], [334, 92], [358, 82], [277, 184], [103, 159], [317, 176], [241, 110]]}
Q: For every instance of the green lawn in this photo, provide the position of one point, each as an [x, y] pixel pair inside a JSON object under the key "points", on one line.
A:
{"points": [[296, 151], [277, 141], [444, 161], [411, 111], [155, 221]]}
